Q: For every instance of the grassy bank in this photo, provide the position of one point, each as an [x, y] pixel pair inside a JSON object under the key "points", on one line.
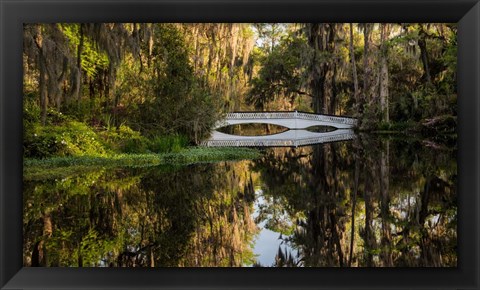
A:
{"points": [[58, 167]]}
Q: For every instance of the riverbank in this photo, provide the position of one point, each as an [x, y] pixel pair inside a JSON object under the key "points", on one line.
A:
{"points": [[59, 167], [439, 128]]}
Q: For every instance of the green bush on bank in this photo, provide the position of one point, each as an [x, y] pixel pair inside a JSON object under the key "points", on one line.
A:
{"points": [[172, 143], [71, 138], [62, 136], [126, 140]]}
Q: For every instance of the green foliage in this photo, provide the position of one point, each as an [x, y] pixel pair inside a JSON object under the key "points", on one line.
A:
{"points": [[71, 138], [92, 60], [397, 126], [31, 111], [172, 99], [370, 118], [80, 110], [131, 141], [275, 216], [57, 167], [93, 248], [280, 76], [113, 217], [126, 140], [62, 136], [173, 143], [137, 145]]}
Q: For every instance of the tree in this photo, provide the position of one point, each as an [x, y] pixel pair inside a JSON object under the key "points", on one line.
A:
{"points": [[356, 92], [384, 81], [280, 78]]}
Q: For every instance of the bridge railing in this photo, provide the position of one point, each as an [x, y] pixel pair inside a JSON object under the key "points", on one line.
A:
{"points": [[261, 115], [291, 115], [326, 118]]}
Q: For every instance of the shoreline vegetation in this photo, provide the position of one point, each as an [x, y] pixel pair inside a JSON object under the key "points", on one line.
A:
{"points": [[59, 167]]}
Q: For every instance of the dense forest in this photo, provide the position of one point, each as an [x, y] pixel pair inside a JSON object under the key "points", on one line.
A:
{"points": [[114, 112], [151, 87]]}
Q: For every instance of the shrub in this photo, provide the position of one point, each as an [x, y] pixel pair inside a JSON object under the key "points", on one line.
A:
{"points": [[136, 145], [39, 144], [397, 126], [31, 111], [56, 118], [170, 143], [124, 139], [70, 139]]}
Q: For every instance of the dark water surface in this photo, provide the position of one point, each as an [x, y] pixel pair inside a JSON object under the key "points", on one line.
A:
{"points": [[370, 202]]}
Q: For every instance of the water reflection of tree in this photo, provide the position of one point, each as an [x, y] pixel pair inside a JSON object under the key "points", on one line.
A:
{"points": [[371, 202], [193, 216]]}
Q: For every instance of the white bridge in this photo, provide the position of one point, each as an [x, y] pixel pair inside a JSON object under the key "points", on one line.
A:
{"points": [[297, 136], [291, 120]]}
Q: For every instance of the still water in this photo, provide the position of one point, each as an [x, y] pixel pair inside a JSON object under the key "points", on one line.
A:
{"points": [[369, 202]]}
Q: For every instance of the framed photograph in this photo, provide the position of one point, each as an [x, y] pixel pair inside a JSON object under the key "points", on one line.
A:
{"points": [[239, 144]]}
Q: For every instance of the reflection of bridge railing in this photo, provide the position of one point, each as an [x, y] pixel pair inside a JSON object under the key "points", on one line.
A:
{"points": [[291, 138], [291, 115]]}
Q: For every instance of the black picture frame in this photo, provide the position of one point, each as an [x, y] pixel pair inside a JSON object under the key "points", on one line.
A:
{"points": [[14, 13]]}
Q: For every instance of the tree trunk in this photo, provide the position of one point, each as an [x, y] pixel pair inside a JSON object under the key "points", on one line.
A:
{"points": [[353, 200], [43, 88], [354, 68], [60, 82], [331, 71], [369, 238], [78, 88], [333, 99], [425, 251], [42, 82], [316, 40], [366, 65], [384, 73], [47, 233], [385, 202], [422, 44], [37, 254]]}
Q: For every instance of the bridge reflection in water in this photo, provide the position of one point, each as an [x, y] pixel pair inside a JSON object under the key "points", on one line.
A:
{"points": [[297, 136], [290, 138]]}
